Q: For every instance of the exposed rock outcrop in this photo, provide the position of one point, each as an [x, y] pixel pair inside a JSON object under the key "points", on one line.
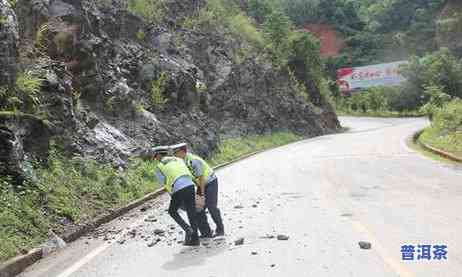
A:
{"points": [[9, 39], [100, 62]]}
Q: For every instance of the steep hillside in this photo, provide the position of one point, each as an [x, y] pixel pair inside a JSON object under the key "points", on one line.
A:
{"points": [[115, 76]]}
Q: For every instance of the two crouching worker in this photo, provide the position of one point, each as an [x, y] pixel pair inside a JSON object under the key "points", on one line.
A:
{"points": [[207, 185], [173, 173]]}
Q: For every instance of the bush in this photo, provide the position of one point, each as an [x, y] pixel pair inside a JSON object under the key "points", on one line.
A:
{"points": [[244, 28], [158, 88], [260, 9], [378, 100], [227, 14], [304, 56], [448, 119], [29, 83], [440, 68], [9, 101], [24, 96], [437, 100], [445, 131], [41, 38], [277, 28], [151, 10]]}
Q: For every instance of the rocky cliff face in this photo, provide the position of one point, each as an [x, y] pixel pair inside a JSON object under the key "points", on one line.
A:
{"points": [[99, 63]]}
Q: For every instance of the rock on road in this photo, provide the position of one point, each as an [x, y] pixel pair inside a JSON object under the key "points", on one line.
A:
{"points": [[325, 194]]}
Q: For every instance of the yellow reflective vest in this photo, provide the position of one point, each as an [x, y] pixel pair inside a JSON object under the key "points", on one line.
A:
{"points": [[172, 168], [208, 171]]}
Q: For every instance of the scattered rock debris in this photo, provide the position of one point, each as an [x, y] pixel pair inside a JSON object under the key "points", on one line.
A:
{"points": [[347, 215], [159, 232], [151, 218], [132, 233], [365, 245], [145, 208], [239, 241], [154, 242]]}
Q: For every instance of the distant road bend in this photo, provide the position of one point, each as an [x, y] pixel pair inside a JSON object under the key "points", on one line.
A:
{"points": [[326, 194]]}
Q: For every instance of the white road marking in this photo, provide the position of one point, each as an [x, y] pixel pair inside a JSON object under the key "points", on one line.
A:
{"points": [[95, 252]]}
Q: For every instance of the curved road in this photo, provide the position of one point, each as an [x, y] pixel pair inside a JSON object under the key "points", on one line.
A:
{"points": [[325, 193]]}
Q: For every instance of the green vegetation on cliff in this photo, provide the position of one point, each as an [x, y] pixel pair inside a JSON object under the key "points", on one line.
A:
{"points": [[61, 192]]}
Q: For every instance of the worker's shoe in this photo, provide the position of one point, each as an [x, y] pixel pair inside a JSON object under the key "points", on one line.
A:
{"points": [[188, 235], [206, 236], [219, 233], [193, 240]]}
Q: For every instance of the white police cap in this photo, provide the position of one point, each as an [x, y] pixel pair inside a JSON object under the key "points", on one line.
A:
{"points": [[160, 150], [178, 146]]}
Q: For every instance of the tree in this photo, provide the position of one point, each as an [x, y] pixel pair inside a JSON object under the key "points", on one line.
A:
{"points": [[305, 62], [277, 28], [260, 9]]}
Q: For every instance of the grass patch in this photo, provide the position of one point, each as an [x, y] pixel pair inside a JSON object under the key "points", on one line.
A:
{"points": [[76, 190], [417, 147], [451, 143], [445, 132], [227, 14], [233, 148]]}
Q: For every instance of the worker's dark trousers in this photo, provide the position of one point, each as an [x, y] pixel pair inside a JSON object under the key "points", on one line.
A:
{"points": [[211, 201], [184, 198]]}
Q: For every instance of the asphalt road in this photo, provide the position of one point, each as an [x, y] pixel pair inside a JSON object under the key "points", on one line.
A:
{"points": [[326, 194]]}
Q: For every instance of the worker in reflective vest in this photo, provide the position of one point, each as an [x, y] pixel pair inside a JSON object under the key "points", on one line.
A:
{"points": [[173, 173], [207, 185]]}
